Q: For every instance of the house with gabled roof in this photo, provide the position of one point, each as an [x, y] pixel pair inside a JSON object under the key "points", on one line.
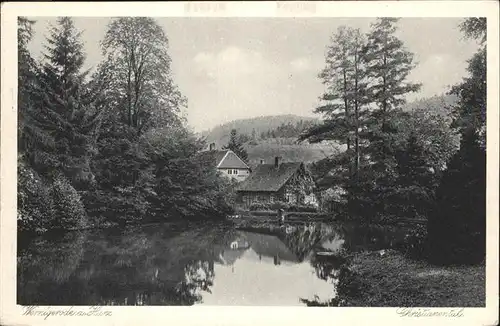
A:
{"points": [[226, 162], [288, 182]]}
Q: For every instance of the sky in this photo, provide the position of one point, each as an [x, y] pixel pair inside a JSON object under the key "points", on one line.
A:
{"points": [[232, 68]]}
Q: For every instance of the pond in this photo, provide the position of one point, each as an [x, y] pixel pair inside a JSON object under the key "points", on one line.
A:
{"points": [[210, 264]]}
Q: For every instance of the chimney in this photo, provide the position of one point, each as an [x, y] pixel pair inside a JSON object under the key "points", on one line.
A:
{"points": [[261, 161], [212, 146], [277, 161]]}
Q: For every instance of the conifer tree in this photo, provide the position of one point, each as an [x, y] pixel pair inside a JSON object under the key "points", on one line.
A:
{"points": [[344, 108], [236, 146], [28, 132], [388, 64], [413, 192], [64, 108]]}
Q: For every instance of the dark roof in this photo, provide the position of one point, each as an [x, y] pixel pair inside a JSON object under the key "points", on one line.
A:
{"points": [[270, 246], [225, 159], [266, 177], [230, 256]]}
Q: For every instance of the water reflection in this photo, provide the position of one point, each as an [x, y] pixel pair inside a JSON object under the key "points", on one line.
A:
{"points": [[163, 265]]}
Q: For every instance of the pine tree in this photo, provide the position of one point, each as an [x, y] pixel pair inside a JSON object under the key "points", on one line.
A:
{"points": [[345, 104], [64, 109], [413, 193], [28, 132], [388, 64], [236, 146]]}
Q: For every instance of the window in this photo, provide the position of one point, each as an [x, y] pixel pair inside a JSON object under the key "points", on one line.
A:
{"points": [[235, 171], [229, 171]]}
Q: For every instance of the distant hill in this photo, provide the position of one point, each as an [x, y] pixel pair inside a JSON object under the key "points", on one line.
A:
{"points": [[220, 134], [289, 150], [439, 104], [287, 147]]}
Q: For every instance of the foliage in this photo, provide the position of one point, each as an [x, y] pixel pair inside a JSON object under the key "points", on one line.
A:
{"points": [[288, 129], [236, 146], [282, 205], [108, 148], [414, 245], [430, 123], [475, 28], [470, 111], [35, 207], [460, 210], [136, 49], [391, 280], [69, 212], [62, 122], [415, 185], [366, 83], [263, 124]]}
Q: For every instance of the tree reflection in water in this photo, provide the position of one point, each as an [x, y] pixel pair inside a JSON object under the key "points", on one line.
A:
{"points": [[322, 245], [139, 266], [163, 265]]}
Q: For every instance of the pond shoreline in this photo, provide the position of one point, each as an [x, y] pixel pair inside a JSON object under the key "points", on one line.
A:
{"points": [[389, 279]]}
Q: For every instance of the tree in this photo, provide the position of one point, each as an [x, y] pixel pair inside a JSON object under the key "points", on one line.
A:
{"points": [[64, 110], [470, 111], [140, 99], [430, 123], [474, 28], [344, 108], [388, 64], [460, 209], [57, 131], [414, 189], [26, 72], [235, 146], [343, 77], [137, 50]]}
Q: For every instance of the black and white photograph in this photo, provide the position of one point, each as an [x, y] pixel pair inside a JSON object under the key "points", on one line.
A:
{"points": [[252, 161]]}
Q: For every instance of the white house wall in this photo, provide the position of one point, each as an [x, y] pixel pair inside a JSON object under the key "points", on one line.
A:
{"points": [[241, 175]]}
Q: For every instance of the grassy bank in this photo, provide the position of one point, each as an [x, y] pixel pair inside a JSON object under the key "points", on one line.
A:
{"points": [[392, 280]]}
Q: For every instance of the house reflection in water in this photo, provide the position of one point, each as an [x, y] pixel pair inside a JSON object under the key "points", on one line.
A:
{"points": [[268, 248], [260, 269]]}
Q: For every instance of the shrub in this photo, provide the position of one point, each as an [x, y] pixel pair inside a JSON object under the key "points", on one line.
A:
{"points": [[415, 243], [302, 208], [259, 207], [282, 205], [35, 208], [69, 212], [279, 205]]}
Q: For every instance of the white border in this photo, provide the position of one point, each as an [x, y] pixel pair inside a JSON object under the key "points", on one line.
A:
{"points": [[10, 314]]}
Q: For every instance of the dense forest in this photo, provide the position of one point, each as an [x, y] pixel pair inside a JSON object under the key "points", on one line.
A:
{"points": [[107, 147], [253, 128], [418, 164]]}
